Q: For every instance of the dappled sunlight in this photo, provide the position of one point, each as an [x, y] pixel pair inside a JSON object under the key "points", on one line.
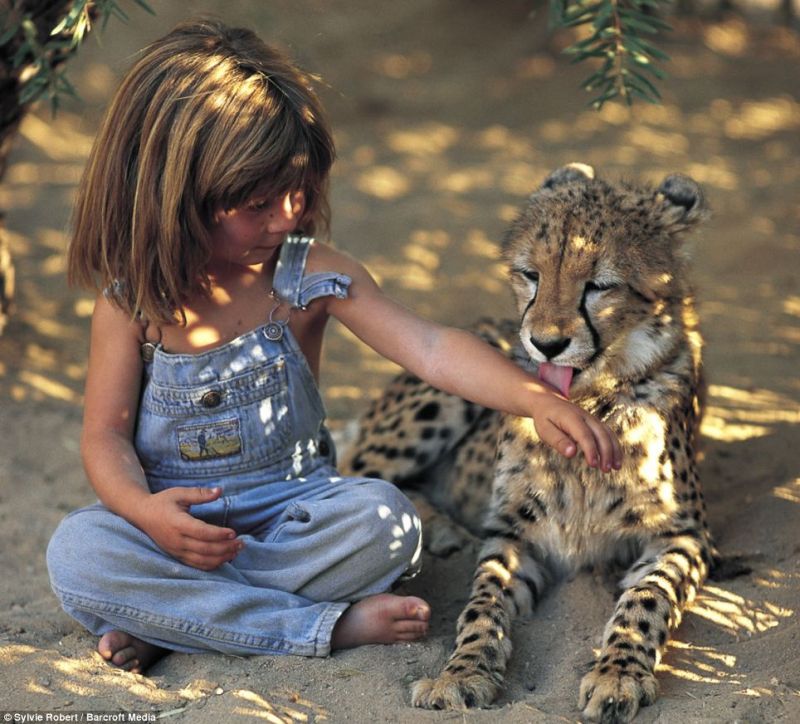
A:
{"points": [[789, 492], [777, 579], [702, 664], [423, 256], [399, 66], [660, 143], [463, 180], [737, 615], [756, 120], [61, 141], [734, 414], [54, 678], [728, 38], [297, 709], [536, 67], [504, 140], [431, 139], [11, 654], [383, 182]]}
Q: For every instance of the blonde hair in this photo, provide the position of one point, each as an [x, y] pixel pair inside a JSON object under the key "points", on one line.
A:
{"points": [[207, 116]]}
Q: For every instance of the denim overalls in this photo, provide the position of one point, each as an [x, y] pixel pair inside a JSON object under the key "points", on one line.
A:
{"points": [[246, 417]]}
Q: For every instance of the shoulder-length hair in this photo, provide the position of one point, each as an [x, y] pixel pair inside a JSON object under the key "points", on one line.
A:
{"points": [[207, 116]]}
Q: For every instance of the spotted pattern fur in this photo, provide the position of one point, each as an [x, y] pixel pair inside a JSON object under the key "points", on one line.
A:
{"points": [[599, 275]]}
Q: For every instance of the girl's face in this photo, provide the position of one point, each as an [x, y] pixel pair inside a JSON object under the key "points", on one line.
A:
{"points": [[250, 234]]}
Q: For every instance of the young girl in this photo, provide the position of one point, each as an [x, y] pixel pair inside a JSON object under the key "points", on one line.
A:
{"points": [[222, 523]]}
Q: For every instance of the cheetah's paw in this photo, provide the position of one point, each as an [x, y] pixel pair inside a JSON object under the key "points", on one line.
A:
{"points": [[614, 697], [454, 691]]}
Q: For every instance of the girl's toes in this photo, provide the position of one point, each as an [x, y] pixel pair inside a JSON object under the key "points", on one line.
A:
{"points": [[124, 656]]}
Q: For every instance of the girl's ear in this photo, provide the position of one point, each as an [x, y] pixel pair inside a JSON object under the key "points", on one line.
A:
{"points": [[680, 203], [571, 173]]}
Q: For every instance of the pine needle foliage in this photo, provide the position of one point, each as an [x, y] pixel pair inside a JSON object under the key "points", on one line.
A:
{"points": [[616, 39], [38, 52]]}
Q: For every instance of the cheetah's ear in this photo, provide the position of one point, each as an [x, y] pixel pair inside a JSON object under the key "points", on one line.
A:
{"points": [[682, 202], [569, 174]]}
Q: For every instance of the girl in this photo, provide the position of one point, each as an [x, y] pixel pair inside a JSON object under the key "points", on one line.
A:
{"points": [[222, 523]]}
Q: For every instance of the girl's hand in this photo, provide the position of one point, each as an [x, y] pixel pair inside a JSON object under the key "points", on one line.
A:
{"points": [[166, 519], [566, 427]]}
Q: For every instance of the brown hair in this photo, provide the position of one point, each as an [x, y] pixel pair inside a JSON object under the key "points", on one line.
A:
{"points": [[207, 116]]}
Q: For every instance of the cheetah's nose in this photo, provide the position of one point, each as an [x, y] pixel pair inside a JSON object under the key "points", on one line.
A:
{"points": [[551, 347]]}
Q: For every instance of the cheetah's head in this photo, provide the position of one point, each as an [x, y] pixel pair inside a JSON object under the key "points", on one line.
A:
{"points": [[598, 272]]}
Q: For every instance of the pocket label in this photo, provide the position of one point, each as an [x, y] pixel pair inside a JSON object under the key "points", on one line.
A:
{"points": [[209, 441]]}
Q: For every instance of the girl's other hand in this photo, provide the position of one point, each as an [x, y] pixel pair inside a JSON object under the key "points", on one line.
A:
{"points": [[167, 520], [566, 428]]}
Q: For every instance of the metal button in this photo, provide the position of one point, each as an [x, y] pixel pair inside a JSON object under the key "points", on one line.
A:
{"points": [[212, 398], [148, 351]]}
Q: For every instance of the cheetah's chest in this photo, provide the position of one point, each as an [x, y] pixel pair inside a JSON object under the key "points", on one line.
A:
{"points": [[578, 515]]}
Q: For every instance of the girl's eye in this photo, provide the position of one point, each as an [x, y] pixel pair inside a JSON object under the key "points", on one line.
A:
{"points": [[259, 204]]}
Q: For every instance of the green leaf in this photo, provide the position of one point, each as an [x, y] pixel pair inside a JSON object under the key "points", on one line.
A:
{"points": [[581, 15], [78, 11], [653, 20], [640, 94], [557, 10], [643, 62], [646, 48], [33, 89], [21, 55], [646, 82], [10, 32], [642, 27], [145, 6], [581, 44], [603, 16], [597, 103]]}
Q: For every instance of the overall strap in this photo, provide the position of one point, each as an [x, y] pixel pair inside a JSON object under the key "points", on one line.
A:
{"points": [[293, 287], [288, 281]]}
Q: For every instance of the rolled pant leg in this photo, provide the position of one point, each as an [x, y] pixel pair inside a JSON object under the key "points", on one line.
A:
{"points": [[110, 575]]}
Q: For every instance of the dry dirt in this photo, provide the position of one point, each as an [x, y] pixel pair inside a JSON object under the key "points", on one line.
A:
{"points": [[447, 114]]}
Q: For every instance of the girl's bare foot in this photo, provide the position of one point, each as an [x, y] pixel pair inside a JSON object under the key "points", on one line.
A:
{"points": [[128, 652], [381, 619]]}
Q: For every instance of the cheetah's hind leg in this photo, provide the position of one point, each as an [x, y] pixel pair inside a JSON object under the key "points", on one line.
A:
{"points": [[441, 536]]}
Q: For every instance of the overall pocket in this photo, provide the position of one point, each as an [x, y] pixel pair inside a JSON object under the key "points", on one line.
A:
{"points": [[207, 430]]}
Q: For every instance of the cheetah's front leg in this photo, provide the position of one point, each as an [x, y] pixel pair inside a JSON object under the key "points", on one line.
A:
{"points": [[659, 585], [507, 583]]}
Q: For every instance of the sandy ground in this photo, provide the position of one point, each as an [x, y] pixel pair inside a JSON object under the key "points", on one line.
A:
{"points": [[447, 113]]}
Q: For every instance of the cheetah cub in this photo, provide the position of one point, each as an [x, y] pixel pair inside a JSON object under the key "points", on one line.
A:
{"points": [[607, 317]]}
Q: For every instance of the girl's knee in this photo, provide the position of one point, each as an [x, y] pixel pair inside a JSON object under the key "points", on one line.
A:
{"points": [[392, 521], [65, 550], [75, 550]]}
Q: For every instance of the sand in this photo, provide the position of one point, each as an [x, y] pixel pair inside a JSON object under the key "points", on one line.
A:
{"points": [[447, 114]]}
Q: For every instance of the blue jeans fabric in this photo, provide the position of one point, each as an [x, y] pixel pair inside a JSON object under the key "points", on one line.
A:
{"points": [[246, 417]]}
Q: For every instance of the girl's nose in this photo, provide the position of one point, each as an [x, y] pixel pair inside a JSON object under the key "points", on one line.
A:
{"points": [[284, 214]]}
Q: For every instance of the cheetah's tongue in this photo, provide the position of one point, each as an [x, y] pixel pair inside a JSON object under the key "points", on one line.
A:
{"points": [[558, 376]]}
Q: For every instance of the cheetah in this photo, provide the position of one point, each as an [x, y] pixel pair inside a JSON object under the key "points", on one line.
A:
{"points": [[606, 315]]}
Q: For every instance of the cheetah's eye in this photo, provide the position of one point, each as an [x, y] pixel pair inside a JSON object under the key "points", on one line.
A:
{"points": [[529, 274], [599, 286]]}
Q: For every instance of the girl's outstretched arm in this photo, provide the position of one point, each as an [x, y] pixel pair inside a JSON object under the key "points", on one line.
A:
{"points": [[460, 363], [112, 466]]}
